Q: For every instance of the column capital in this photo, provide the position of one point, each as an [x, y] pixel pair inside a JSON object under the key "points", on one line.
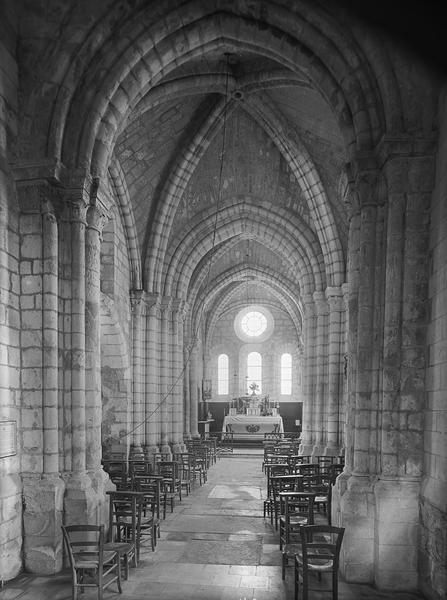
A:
{"points": [[137, 301], [38, 196], [370, 188], [335, 299], [165, 305], [97, 216], [152, 304], [405, 146], [321, 305]]}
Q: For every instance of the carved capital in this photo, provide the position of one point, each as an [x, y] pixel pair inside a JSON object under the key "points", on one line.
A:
{"points": [[321, 305], [97, 217], [335, 299], [370, 187], [38, 196], [137, 301], [165, 306]]}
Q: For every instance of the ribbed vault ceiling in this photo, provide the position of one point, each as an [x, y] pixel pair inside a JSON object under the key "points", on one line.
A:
{"points": [[223, 129]]}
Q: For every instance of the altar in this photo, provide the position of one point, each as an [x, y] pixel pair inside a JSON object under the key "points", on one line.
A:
{"points": [[252, 427]]}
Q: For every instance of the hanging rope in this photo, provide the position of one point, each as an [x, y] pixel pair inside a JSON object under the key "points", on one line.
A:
{"points": [[210, 259]]}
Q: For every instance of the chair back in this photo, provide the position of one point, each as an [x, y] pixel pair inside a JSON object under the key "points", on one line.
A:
{"points": [[86, 542], [321, 546], [307, 468], [124, 515]]}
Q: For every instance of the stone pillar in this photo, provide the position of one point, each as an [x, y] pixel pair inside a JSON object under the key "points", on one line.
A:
{"points": [[320, 373], [97, 216], [138, 425], [165, 399], [177, 383], [307, 432], [398, 491], [354, 491], [96, 219], [81, 499], [344, 351], [42, 489], [194, 383], [335, 370], [186, 392], [152, 376]]}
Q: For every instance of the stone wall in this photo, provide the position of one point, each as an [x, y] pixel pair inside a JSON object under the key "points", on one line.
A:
{"points": [[433, 509], [10, 397]]}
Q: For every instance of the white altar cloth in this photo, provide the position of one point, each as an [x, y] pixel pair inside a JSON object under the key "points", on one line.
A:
{"points": [[252, 426]]}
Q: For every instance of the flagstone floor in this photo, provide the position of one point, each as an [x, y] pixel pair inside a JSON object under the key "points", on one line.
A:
{"points": [[216, 545]]}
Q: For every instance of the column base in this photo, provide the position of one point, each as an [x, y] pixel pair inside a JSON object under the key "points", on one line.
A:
{"points": [[166, 449], [43, 501], [353, 507], [332, 451], [101, 484], [11, 494], [81, 504], [136, 451], [306, 449], [397, 525], [317, 450], [149, 451], [176, 448]]}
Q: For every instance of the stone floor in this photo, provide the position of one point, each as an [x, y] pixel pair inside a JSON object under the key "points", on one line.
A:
{"points": [[215, 546]]}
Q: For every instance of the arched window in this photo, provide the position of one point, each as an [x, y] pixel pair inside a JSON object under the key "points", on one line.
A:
{"points": [[286, 374], [222, 374], [254, 372]]}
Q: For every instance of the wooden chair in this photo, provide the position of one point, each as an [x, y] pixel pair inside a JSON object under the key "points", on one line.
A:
{"points": [[320, 553], [149, 520], [91, 565], [322, 486], [125, 514], [171, 483], [297, 509]]}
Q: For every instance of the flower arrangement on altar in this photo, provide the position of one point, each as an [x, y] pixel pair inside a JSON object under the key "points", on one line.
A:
{"points": [[254, 387]]}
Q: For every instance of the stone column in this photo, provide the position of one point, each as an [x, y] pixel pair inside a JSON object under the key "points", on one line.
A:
{"points": [[97, 216], [345, 355], [320, 373], [335, 370], [152, 376], [81, 498], [165, 400], [307, 432], [186, 392], [354, 492], [42, 491], [397, 492], [177, 383], [194, 383], [96, 219], [138, 425]]}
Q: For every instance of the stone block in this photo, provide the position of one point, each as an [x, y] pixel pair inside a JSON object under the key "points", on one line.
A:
{"points": [[394, 557], [399, 534], [10, 507], [32, 247], [396, 580], [11, 558], [43, 560]]}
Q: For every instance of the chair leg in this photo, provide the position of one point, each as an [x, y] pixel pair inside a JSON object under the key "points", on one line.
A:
{"points": [[118, 567], [284, 564], [297, 580], [305, 585], [334, 585]]}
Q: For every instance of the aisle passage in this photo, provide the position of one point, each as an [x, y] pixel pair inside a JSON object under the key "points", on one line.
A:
{"points": [[216, 545]]}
